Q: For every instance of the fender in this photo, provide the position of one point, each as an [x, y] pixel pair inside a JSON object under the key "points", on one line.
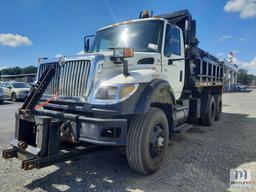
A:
{"points": [[157, 91]]}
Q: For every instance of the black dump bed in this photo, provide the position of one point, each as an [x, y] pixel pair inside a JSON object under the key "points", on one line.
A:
{"points": [[202, 69], [205, 70]]}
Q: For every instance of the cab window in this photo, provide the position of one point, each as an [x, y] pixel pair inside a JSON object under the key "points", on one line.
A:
{"points": [[172, 41]]}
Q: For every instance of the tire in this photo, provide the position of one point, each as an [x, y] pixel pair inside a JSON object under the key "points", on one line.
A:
{"points": [[147, 141], [13, 97], [208, 117], [218, 102]]}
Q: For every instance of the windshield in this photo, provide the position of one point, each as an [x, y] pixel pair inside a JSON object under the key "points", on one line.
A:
{"points": [[20, 85], [143, 36]]}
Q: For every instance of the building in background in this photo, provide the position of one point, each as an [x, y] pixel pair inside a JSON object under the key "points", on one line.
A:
{"points": [[230, 73], [28, 78]]}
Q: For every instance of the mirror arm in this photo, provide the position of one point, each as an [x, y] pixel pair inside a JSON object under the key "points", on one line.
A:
{"points": [[125, 68]]}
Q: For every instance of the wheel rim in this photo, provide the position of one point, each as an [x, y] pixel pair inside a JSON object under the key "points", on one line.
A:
{"points": [[157, 142]]}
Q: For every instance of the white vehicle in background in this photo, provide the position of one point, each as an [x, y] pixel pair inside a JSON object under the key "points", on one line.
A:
{"points": [[240, 86], [15, 90]]}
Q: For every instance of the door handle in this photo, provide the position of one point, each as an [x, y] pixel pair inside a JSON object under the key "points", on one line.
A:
{"points": [[181, 75], [170, 61]]}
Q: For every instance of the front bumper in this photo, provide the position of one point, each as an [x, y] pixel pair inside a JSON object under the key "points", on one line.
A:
{"points": [[102, 131], [38, 140]]}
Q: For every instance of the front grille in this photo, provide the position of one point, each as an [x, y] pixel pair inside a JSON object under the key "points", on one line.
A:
{"points": [[69, 80]]}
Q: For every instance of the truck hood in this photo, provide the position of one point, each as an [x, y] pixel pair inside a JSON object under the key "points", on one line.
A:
{"points": [[101, 70], [138, 56]]}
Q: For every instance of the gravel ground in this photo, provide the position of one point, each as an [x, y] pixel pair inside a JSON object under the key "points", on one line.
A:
{"points": [[197, 160]]}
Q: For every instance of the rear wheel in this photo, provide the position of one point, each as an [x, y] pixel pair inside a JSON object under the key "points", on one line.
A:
{"points": [[208, 117], [147, 143], [218, 102], [14, 97]]}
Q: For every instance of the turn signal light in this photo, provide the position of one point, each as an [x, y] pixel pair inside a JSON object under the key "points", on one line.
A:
{"points": [[123, 52], [128, 52]]}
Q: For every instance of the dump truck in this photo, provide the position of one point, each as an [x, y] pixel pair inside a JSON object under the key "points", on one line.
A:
{"points": [[137, 83]]}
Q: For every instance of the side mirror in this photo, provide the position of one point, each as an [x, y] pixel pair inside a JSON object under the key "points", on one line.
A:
{"points": [[193, 32], [9, 87], [87, 46], [87, 43], [188, 36], [187, 32]]}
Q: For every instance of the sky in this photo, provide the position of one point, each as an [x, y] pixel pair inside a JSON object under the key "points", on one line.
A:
{"points": [[30, 29]]}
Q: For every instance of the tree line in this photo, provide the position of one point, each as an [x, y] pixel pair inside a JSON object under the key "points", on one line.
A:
{"points": [[245, 78], [18, 70]]}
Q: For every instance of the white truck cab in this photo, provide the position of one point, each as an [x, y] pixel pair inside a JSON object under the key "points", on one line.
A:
{"points": [[158, 52]]}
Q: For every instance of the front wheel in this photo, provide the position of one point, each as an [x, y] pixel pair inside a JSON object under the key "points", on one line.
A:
{"points": [[14, 97], [147, 141]]}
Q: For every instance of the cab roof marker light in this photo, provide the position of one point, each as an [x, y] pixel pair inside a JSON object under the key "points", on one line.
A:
{"points": [[145, 14]]}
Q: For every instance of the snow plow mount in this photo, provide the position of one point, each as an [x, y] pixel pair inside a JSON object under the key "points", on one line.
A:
{"points": [[32, 161], [38, 143]]}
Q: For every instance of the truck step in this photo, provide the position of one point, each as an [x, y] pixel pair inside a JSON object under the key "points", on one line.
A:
{"points": [[182, 128], [183, 102], [180, 107]]}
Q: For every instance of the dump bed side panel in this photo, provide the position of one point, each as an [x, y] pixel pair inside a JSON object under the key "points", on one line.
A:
{"points": [[205, 70]]}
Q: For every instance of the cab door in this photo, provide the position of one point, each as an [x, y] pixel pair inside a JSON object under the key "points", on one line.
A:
{"points": [[173, 61]]}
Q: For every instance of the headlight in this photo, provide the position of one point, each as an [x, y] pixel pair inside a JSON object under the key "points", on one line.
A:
{"points": [[109, 94]]}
